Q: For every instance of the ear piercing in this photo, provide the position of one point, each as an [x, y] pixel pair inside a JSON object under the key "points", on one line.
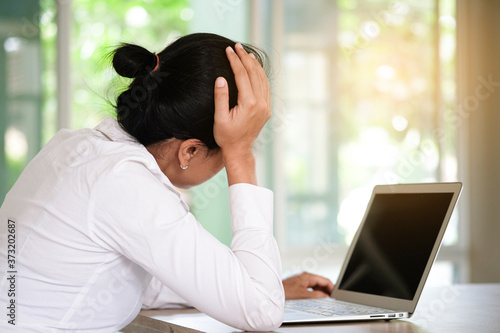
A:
{"points": [[184, 167]]}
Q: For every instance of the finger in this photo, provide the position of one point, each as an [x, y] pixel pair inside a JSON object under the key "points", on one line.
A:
{"points": [[256, 73], [221, 99], [304, 293], [266, 89], [317, 294], [263, 75], [322, 289], [317, 282], [241, 76], [258, 80]]}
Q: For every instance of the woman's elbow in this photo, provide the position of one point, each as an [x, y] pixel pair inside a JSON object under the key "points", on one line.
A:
{"points": [[268, 317]]}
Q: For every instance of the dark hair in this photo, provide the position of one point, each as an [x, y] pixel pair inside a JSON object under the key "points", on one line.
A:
{"points": [[177, 98]]}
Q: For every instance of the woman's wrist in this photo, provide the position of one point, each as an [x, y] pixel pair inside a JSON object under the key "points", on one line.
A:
{"points": [[240, 167]]}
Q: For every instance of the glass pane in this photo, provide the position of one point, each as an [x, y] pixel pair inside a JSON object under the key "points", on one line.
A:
{"points": [[20, 88], [98, 27]]}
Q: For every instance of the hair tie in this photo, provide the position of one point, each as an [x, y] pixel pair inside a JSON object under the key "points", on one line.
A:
{"points": [[157, 63]]}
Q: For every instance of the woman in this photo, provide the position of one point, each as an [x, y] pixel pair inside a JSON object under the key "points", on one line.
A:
{"points": [[99, 227]]}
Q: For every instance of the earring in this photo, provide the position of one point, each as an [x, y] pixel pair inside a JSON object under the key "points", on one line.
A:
{"points": [[184, 167]]}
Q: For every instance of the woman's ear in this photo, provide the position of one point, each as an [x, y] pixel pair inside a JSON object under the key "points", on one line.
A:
{"points": [[187, 150]]}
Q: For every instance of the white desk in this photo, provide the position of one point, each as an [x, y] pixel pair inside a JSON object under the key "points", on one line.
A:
{"points": [[459, 308]]}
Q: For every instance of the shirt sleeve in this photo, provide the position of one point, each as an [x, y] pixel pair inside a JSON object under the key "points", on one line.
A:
{"points": [[159, 296], [134, 214]]}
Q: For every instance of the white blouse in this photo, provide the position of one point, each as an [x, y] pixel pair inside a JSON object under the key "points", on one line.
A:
{"points": [[92, 222]]}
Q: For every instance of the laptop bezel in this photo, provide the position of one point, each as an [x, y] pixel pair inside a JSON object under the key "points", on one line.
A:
{"points": [[390, 302]]}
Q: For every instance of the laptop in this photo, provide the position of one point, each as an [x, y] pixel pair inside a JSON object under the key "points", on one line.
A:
{"points": [[389, 258]]}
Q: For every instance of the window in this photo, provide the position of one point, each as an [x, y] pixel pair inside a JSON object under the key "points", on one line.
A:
{"points": [[363, 86], [20, 89], [360, 89]]}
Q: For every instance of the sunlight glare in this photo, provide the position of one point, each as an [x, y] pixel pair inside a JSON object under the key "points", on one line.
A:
{"points": [[16, 144], [137, 17], [187, 14], [12, 44], [385, 72], [399, 123]]}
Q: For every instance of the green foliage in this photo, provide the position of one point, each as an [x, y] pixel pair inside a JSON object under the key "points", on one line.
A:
{"points": [[98, 27]]}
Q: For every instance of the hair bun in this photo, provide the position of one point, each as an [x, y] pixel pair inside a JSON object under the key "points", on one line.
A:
{"points": [[129, 60]]}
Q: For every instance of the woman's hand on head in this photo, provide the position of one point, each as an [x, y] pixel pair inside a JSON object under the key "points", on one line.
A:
{"points": [[236, 129], [307, 285]]}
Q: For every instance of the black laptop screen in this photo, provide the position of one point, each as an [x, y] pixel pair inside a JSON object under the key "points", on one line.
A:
{"points": [[395, 244]]}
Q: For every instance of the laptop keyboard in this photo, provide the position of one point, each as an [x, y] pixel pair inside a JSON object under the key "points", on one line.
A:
{"points": [[330, 307]]}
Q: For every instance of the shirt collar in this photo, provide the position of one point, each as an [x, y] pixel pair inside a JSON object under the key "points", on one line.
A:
{"points": [[111, 129]]}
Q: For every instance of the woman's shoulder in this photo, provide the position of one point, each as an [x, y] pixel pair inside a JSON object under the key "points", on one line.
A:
{"points": [[105, 151]]}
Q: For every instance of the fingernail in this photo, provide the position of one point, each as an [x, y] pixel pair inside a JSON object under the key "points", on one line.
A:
{"points": [[220, 82], [230, 49], [238, 45], [252, 55]]}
